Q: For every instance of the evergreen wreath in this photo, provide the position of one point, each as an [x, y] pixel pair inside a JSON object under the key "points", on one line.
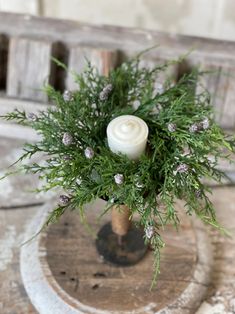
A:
{"points": [[183, 138]]}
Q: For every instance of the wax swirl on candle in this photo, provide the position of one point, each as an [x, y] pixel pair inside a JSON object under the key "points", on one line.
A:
{"points": [[127, 134]]}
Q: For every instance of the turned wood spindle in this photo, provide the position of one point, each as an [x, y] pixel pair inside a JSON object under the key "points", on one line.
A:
{"points": [[120, 221]]}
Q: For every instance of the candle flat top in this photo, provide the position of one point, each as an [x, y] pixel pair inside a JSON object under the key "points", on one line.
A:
{"points": [[127, 130]]}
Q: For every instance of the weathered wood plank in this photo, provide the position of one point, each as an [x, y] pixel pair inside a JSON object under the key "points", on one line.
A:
{"points": [[222, 88], [113, 37], [9, 104], [129, 42], [17, 190], [104, 60], [14, 131], [170, 74], [13, 297], [220, 82], [28, 68], [221, 296]]}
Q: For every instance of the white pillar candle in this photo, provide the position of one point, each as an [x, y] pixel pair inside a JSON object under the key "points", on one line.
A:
{"points": [[128, 135]]}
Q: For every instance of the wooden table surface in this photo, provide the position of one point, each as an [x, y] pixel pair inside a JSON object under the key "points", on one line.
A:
{"points": [[18, 206]]}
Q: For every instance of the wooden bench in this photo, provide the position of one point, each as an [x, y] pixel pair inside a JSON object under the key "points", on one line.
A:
{"points": [[26, 47], [28, 43]]}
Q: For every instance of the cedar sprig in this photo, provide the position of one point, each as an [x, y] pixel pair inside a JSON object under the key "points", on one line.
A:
{"points": [[183, 136]]}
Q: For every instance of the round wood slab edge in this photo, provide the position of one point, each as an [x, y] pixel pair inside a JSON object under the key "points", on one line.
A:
{"points": [[48, 296]]}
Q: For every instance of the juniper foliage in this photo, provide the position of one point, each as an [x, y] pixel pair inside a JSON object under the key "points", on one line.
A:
{"points": [[178, 155]]}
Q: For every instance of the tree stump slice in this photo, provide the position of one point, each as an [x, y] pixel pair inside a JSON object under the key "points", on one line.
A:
{"points": [[63, 273]]}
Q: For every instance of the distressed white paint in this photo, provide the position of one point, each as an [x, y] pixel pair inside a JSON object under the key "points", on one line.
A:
{"points": [[207, 308], [48, 297], [7, 244], [11, 130], [48, 195], [201, 273], [6, 188], [193, 17], [20, 6], [14, 155], [9, 104], [18, 132]]}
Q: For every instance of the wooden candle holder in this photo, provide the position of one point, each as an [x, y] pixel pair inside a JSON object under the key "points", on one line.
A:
{"points": [[121, 242], [63, 273]]}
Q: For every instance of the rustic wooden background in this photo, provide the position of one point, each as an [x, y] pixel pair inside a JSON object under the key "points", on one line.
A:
{"points": [[26, 46]]}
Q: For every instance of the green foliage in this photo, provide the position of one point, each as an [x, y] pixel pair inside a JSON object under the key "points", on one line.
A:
{"points": [[183, 136]]}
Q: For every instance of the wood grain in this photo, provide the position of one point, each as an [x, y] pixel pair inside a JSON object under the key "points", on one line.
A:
{"points": [[13, 297], [28, 68], [73, 278], [9, 104], [103, 60], [85, 39], [13, 223], [223, 91], [149, 62], [220, 82], [113, 37], [17, 190]]}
